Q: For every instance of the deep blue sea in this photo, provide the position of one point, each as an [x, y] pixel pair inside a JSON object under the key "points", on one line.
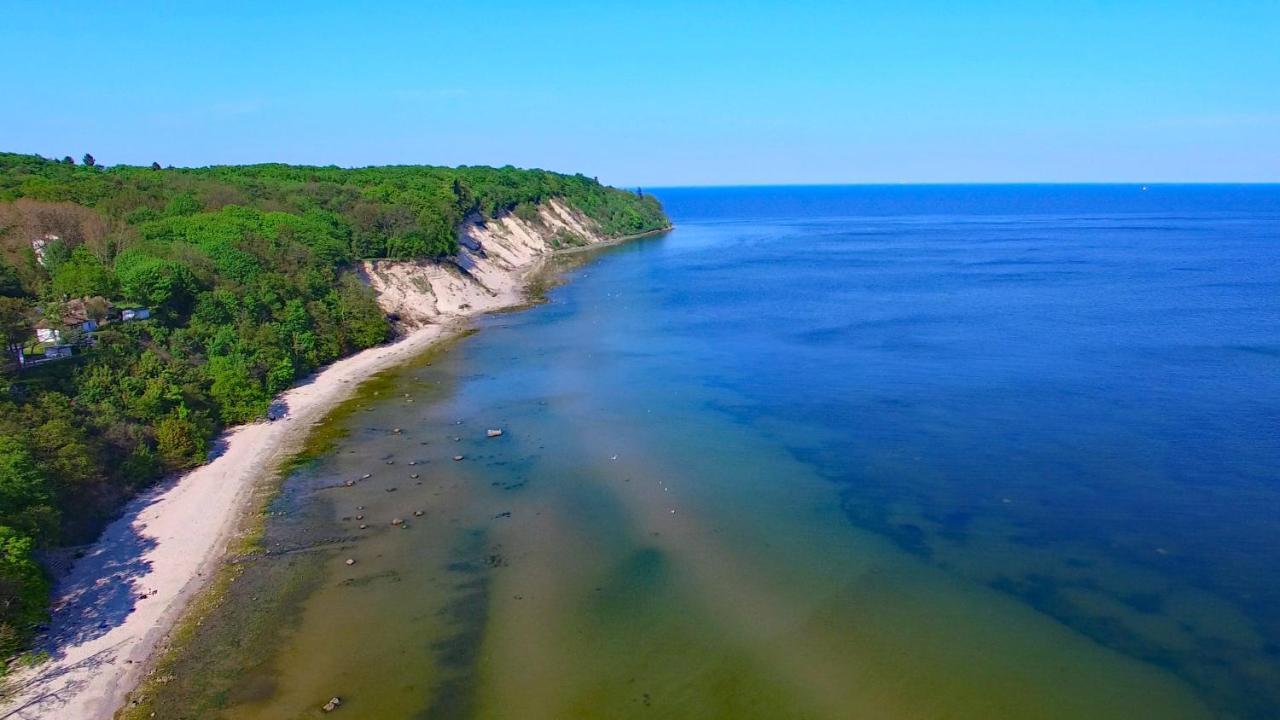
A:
{"points": [[1070, 394], [830, 452]]}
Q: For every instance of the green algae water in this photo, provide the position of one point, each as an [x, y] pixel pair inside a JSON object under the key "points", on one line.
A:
{"points": [[817, 453]]}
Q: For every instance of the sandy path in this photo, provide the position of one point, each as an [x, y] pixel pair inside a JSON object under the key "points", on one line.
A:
{"points": [[120, 599]]}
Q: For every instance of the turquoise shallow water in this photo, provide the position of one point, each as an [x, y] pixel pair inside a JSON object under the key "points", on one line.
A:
{"points": [[830, 452]]}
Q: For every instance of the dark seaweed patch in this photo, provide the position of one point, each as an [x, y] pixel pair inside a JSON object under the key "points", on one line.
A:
{"points": [[633, 585], [468, 612], [1145, 603], [1206, 667], [364, 580]]}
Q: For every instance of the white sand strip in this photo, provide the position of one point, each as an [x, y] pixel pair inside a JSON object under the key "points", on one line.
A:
{"points": [[120, 599], [169, 541]]}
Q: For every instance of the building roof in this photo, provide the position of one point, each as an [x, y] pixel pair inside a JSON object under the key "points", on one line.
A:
{"points": [[74, 312]]}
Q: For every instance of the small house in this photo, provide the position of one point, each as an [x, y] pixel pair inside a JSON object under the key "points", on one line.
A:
{"points": [[57, 351], [80, 319], [138, 313], [85, 313]]}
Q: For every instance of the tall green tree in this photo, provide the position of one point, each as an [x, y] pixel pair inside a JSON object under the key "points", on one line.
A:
{"points": [[16, 327], [81, 275], [25, 498], [24, 591]]}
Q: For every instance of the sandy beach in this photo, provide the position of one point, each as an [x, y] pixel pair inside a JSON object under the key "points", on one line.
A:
{"points": [[118, 601]]}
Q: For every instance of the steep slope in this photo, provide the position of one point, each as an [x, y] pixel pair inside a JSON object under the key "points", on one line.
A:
{"points": [[187, 525], [488, 271]]}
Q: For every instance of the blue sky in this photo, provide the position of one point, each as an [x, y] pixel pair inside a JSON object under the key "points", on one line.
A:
{"points": [[660, 93]]}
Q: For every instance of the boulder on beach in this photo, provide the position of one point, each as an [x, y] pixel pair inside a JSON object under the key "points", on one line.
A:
{"points": [[332, 705], [397, 521]]}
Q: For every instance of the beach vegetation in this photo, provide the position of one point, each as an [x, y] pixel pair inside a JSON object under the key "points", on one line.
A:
{"points": [[245, 274]]}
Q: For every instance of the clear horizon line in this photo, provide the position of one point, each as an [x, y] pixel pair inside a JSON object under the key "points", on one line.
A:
{"points": [[958, 183], [885, 183]]}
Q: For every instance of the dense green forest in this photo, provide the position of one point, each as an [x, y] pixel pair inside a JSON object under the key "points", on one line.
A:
{"points": [[242, 272]]}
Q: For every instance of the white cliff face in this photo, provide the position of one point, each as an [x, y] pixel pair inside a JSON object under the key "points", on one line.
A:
{"points": [[190, 523], [488, 272]]}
